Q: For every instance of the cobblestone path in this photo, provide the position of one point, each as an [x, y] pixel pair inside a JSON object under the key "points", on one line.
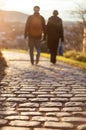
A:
{"points": [[42, 97]]}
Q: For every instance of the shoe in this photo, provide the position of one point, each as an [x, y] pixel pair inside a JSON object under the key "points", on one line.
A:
{"points": [[32, 62], [52, 63]]}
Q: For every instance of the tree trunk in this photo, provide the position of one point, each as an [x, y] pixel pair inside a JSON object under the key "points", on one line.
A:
{"points": [[84, 40]]}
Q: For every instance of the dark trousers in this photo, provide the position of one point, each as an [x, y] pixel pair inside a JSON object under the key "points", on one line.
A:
{"points": [[53, 54], [34, 43], [53, 46]]}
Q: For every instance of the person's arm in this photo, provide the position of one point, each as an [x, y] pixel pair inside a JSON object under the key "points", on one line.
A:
{"points": [[26, 27], [44, 27]]}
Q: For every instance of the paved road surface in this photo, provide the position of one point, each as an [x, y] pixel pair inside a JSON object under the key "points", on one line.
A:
{"points": [[42, 97]]}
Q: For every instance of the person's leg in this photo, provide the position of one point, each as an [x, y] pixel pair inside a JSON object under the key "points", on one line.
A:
{"points": [[54, 52], [53, 56], [38, 49], [31, 50]]}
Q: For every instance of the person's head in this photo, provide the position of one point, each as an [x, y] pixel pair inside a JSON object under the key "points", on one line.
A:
{"points": [[36, 9], [55, 13]]}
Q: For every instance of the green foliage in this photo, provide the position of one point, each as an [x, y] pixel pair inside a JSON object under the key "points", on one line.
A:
{"points": [[79, 56]]}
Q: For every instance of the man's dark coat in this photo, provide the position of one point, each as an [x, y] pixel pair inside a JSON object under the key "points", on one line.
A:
{"points": [[54, 32]]}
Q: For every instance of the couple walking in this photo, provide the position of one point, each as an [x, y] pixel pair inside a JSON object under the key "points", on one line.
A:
{"points": [[36, 30]]}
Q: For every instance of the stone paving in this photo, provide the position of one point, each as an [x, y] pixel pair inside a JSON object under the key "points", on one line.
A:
{"points": [[43, 96]]}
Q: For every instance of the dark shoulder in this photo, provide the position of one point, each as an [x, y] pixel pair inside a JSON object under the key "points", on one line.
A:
{"points": [[59, 19], [50, 18], [42, 17]]}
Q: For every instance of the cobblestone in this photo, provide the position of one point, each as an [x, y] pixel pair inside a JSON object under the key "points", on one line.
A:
{"points": [[82, 127], [41, 118], [3, 122], [69, 109], [14, 128], [71, 104], [63, 114], [30, 105], [8, 112], [46, 129], [58, 125], [49, 109], [51, 104], [74, 119], [24, 123], [31, 113], [17, 118], [42, 97]]}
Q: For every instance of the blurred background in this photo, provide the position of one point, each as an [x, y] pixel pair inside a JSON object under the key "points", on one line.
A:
{"points": [[14, 13]]}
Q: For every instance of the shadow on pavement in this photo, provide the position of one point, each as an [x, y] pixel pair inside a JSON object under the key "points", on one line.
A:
{"points": [[3, 66]]}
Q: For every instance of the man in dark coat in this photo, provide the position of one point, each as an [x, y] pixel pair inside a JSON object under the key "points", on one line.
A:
{"points": [[54, 31]]}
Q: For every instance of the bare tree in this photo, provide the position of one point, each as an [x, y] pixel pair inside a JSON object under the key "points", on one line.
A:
{"points": [[80, 13]]}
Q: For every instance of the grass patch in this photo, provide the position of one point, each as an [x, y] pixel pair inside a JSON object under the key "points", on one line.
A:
{"points": [[76, 55], [73, 62]]}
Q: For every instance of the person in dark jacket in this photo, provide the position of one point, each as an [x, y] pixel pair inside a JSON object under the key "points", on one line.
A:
{"points": [[35, 26], [54, 31]]}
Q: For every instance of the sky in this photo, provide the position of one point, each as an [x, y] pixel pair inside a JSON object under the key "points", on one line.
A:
{"points": [[46, 6]]}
